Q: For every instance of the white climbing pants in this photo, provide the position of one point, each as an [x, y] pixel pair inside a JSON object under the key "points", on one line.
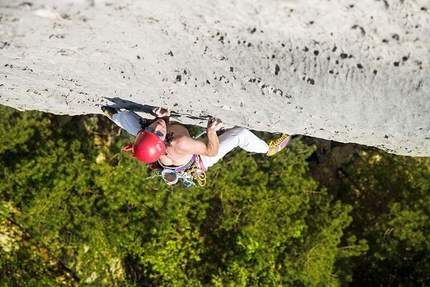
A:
{"points": [[129, 121], [235, 137]]}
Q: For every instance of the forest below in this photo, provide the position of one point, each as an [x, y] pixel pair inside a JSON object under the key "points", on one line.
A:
{"points": [[76, 211]]}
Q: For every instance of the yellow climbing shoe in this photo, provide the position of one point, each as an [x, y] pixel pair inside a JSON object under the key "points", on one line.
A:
{"points": [[276, 146]]}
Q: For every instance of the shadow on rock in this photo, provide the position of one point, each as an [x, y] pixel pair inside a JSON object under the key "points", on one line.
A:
{"points": [[133, 106], [328, 163]]}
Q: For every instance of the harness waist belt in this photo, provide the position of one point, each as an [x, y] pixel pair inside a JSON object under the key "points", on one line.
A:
{"points": [[181, 168]]}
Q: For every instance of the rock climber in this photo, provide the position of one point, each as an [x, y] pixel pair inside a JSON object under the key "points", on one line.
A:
{"points": [[171, 148]]}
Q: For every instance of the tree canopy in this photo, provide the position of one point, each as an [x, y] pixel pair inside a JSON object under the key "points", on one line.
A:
{"points": [[77, 210]]}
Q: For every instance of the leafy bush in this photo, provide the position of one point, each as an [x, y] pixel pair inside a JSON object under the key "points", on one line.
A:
{"points": [[258, 221]]}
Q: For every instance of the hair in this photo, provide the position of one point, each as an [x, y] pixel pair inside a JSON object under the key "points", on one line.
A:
{"points": [[168, 139], [144, 123]]}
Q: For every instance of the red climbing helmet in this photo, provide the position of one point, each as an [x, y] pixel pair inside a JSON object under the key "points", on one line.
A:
{"points": [[147, 147]]}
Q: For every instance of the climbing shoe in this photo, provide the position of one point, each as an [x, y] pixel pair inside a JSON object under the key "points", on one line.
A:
{"points": [[109, 111], [276, 146]]}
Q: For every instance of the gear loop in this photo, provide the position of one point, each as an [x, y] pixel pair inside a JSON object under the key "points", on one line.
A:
{"points": [[192, 173]]}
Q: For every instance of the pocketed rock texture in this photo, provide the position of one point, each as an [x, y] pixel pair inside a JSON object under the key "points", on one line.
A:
{"points": [[349, 71]]}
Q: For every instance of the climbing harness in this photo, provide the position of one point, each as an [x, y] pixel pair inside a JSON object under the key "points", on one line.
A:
{"points": [[189, 174]]}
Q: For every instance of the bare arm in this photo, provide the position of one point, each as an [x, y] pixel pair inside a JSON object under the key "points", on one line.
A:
{"points": [[193, 146]]}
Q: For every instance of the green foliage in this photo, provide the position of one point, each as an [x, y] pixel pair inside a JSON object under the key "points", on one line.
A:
{"points": [[265, 217], [19, 268], [258, 221], [390, 195]]}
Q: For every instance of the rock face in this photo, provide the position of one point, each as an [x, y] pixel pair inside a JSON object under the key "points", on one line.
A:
{"points": [[338, 70]]}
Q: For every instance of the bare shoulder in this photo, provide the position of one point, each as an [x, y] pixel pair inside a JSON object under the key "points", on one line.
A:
{"points": [[190, 145], [183, 140]]}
